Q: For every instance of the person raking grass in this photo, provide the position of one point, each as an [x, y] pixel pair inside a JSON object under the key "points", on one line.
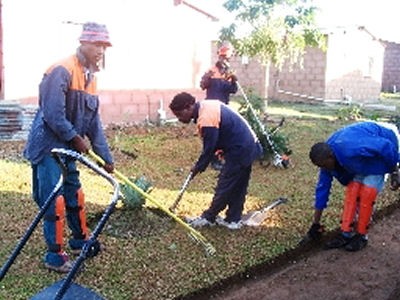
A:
{"points": [[220, 127]]}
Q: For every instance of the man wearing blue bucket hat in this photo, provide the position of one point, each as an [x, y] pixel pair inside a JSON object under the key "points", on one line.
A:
{"points": [[68, 113]]}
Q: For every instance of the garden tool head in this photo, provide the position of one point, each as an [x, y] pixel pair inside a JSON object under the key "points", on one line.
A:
{"points": [[133, 199], [255, 218], [281, 161], [209, 248]]}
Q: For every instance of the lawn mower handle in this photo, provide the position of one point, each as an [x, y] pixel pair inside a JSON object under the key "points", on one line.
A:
{"points": [[57, 153], [96, 232], [31, 228]]}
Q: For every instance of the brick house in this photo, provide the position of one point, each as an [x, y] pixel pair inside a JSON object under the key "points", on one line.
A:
{"points": [[159, 48]]}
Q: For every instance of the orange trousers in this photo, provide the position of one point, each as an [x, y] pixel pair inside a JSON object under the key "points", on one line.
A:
{"points": [[358, 195]]}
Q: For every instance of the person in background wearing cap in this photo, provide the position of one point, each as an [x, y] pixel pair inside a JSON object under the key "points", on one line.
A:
{"points": [[219, 83], [68, 113]]}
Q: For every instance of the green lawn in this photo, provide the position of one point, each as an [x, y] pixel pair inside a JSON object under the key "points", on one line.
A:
{"points": [[148, 255]]}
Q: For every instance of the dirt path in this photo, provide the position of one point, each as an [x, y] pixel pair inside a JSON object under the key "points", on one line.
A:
{"points": [[370, 274]]}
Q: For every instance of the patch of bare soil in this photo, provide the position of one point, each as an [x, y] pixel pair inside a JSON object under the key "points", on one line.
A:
{"points": [[370, 274]]}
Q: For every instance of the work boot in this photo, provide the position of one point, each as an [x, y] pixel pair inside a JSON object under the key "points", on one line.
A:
{"points": [[395, 180], [337, 242], [357, 242]]}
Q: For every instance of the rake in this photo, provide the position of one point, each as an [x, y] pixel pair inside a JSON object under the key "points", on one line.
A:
{"points": [[194, 234]]}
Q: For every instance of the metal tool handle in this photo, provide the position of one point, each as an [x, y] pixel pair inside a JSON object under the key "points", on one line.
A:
{"points": [[184, 187], [31, 228], [277, 202]]}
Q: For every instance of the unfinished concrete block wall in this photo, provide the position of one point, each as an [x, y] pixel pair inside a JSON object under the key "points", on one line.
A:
{"points": [[353, 86], [299, 82], [391, 68], [251, 75]]}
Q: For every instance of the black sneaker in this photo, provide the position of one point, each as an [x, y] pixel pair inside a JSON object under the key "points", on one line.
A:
{"points": [[358, 242], [337, 242]]}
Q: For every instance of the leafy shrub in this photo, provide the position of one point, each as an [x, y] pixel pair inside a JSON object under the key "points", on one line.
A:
{"points": [[271, 139], [351, 112]]}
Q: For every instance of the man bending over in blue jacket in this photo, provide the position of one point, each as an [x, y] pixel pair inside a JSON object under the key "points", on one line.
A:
{"points": [[358, 156]]}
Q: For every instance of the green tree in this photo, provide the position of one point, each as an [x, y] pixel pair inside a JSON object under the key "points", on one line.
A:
{"points": [[276, 31]]}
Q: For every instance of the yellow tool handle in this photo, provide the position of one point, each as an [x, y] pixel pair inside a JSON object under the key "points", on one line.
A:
{"points": [[194, 233]]}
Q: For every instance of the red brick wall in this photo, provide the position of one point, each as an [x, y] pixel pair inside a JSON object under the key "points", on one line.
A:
{"points": [[137, 106], [133, 106]]}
